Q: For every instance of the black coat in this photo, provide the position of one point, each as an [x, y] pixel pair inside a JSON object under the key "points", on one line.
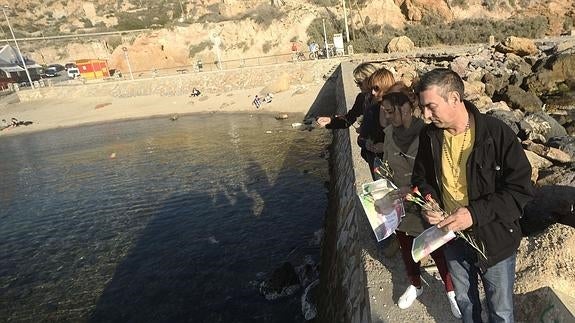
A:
{"points": [[498, 182], [344, 121]]}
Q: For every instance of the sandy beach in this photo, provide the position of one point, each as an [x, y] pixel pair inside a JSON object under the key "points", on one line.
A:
{"points": [[68, 112]]}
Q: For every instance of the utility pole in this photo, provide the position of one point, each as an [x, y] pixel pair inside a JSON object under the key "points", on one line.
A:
{"points": [[345, 21], [18, 48], [325, 38], [125, 49]]}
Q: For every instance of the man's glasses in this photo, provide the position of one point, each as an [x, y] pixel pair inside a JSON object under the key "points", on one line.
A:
{"points": [[375, 88]]}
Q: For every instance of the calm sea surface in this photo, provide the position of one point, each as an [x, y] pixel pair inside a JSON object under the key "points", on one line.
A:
{"points": [[177, 227]]}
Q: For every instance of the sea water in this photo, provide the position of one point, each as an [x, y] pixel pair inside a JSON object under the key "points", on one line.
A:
{"points": [[157, 220]]}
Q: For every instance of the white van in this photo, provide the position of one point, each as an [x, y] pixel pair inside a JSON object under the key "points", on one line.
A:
{"points": [[73, 72]]}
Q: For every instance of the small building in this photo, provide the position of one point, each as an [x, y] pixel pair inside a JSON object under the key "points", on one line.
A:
{"points": [[91, 69], [12, 69]]}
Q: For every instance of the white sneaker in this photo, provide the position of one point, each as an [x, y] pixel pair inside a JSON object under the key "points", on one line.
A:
{"points": [[409, 296], [453, 303]]}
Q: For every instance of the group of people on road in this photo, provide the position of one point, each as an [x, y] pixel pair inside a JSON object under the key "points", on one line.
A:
{"points": [[470, 163]]}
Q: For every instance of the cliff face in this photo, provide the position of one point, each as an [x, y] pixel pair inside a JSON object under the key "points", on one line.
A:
{"points": [[245, 28]]}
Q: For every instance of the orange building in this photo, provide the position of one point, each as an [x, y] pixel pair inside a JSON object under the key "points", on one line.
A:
{"points": [[91, 69]]}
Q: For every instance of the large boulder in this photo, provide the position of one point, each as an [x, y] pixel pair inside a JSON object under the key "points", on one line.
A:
{"points": [[552, 204], [517, 98], [400, 44], [564, 143], [510, 118], [494, 83], [550, 72], [517, 45], [541, 127], [549, 153]]}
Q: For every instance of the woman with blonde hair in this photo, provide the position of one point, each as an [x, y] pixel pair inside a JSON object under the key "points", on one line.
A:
{"points": [[371, 136], [361, 76]]}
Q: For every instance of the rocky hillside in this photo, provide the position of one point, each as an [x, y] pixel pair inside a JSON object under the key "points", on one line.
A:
{"points": [[180, 32]]}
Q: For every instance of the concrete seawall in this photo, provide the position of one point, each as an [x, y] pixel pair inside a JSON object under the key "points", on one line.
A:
{"points": [[343, 284]]}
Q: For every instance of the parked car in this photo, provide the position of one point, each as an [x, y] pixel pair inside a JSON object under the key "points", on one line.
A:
{"points": [[73, 72], [51, 72], [57, 67]]}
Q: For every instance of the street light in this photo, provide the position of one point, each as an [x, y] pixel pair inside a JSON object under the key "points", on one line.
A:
{"points": [[128, 61], [17, 47], [345, 21]]}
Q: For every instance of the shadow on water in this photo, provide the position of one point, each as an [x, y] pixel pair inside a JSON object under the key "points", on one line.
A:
{"points": [[173, 273]]}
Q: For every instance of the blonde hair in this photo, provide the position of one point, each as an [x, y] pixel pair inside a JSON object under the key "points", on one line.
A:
{"points": [[382, 78], [363, 71]]}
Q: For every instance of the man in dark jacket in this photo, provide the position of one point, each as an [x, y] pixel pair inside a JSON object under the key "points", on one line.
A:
{"points": [[473, 165]]}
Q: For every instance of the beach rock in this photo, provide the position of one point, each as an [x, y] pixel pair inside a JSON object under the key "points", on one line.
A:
{"points": [[494, 82], [517, 65], [517, 98], [474, 90], [552, 204], [537, 161], [537, 126], [459, 65], [510, 118], [547, 152], [281, 116], [400, 44], [283, 282], [564, 143], [517, 45], [549, 72]]}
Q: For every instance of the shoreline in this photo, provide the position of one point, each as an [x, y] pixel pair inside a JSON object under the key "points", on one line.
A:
{"points": [[49, 114]]}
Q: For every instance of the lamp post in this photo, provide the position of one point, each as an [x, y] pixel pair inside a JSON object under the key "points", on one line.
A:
{"points": [[216, 40], [17, 47], [128, 61], [345, 21], [325, 38]]}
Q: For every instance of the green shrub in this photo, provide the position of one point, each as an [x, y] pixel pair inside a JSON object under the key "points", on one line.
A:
{"points": [[567, 24], [325, 3], [267, 47], [332, 26], [194, 49], [263, 15], [460, 3], [113, 42], [87, 22]]}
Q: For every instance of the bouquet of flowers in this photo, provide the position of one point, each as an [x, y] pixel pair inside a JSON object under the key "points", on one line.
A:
{"points": [[429, 204]]}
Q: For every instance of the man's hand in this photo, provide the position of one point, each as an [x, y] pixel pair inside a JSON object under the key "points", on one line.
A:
{"points": [[323, 121], [458, 221], [433, 217]]}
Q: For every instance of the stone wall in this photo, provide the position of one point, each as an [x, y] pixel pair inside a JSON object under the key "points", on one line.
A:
{"points": [[288, 74], [343, 283]]}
